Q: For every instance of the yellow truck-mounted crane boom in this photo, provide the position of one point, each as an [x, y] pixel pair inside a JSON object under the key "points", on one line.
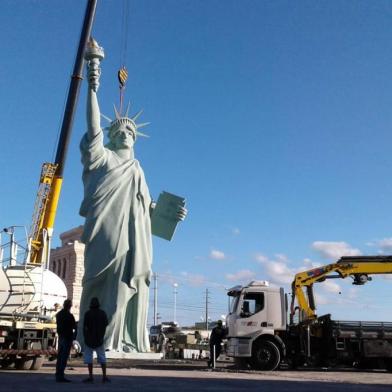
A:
{"points": [[52, 173], [48, 189], [357, 267], [29, 293]]}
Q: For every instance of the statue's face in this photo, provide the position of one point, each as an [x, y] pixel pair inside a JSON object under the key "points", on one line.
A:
{"points": [[123, 137]]}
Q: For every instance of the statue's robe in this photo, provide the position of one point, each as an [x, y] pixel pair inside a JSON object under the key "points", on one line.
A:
{"points": [[118, 249]]}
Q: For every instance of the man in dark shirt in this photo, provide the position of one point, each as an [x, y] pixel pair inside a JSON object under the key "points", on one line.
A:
{"points": [[66, 330], [217, 335], [94, 327]]}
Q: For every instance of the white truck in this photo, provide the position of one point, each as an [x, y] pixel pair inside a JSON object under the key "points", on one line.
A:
{"points": [[30, 295], [256, 319], [263, 332]]}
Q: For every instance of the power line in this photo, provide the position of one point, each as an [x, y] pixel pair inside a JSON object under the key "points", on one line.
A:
{"points": [[190, 309], [189, 305]]}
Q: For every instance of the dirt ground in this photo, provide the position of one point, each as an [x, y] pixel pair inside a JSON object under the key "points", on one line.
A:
{"points": [[191, 376]]}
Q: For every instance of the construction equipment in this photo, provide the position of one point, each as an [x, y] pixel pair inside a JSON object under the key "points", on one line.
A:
{"points": [[29, 292], [263, 335], [357, 267], [173, 342]]}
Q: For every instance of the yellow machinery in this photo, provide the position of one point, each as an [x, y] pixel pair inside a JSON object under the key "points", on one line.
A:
{"points": [[357, 267], [52, 173], [44, 213], [29, 291]]}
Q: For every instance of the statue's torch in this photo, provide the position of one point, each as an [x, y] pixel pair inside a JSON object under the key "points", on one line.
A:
{"points": [[94, 55]]}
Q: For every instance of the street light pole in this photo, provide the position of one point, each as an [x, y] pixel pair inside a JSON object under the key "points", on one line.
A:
{"points": [[175, 286], [155, 299]]}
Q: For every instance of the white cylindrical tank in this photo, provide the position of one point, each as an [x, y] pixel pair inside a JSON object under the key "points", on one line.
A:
{"points": [[4, 288], [30, 289]]}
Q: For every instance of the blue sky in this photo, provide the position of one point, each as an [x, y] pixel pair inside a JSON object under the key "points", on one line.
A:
{"points": [[272, 118]]}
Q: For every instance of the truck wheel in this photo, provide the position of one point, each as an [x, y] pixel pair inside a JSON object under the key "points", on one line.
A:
{"points": [[37, 363], [265, 356], [24, 363]]}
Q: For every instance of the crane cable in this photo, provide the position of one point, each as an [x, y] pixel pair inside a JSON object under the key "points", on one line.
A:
{"points": [[122, 74]]}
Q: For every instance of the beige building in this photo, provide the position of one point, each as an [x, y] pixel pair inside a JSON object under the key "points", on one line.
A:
{"points": [[67, 261]]}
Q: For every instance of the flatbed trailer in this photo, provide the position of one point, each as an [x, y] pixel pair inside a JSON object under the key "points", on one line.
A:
{"points": [[324, 342]]}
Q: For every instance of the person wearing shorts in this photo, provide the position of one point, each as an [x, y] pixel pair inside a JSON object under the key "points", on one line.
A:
{"points": [[94, 327]]}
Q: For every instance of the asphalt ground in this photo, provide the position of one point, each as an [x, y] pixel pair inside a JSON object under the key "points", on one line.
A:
{"points": [[165, 376]]}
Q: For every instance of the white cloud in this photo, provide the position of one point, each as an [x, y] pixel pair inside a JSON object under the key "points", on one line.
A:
{"points": [[334, 250], [241, 276], [185, 279], [331, 287], [195, 280], [217, 255], [385, 244], [309, 263], [277, 270], [282, 258], [280, 271], [167, 278], [260, 258], [321, 300]]}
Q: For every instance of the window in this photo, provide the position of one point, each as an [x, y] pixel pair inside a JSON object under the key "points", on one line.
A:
{"points": [[54, 265], [234, 303], [252, 304], [64, 268], [58, 267]]}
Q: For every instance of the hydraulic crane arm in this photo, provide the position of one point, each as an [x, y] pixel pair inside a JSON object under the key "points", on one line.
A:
{"points": [[357, 267], [52, 173]]}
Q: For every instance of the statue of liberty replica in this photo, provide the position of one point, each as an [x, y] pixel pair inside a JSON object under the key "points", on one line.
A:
{"points": [[117, 232]]}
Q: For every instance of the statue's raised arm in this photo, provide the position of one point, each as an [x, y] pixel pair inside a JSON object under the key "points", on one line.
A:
{"points": [[94, 54]]}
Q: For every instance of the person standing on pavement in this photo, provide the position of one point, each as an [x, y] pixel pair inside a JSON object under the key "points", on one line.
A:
{"points": [[94, 327], [66, 330], [217, 335]]}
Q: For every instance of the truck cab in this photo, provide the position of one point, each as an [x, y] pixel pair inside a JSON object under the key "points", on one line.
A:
{"points": [[260, 335], [258, 314]]}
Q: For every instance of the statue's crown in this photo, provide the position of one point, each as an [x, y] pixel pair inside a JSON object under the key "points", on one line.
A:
{"points": [[125, 120]]}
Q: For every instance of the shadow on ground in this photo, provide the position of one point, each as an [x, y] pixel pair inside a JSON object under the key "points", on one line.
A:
{"points": [[21, 381]]}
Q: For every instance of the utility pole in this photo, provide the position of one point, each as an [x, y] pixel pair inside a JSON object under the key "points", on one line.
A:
{"points": [[207, 298], [155, 276], [175, 286]]}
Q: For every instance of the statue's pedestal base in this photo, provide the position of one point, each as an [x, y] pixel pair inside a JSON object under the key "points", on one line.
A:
{"points": [[143, 356]]}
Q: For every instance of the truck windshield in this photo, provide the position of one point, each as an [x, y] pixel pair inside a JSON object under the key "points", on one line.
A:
{"points": [[234, 303]]}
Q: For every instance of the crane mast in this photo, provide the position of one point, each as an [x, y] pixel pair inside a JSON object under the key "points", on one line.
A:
{"points": [[52, 173]]}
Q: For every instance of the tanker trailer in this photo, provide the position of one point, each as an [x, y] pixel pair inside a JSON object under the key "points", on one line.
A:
{"points": [[30, 296]]}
